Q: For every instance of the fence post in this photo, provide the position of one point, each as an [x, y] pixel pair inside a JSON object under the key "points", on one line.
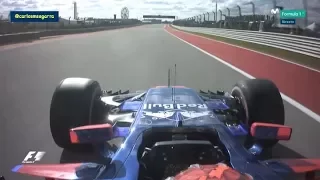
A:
{"points": [[261, 26]]}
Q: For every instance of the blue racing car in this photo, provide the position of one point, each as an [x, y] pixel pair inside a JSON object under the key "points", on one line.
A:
{"points": [[171, 132]]}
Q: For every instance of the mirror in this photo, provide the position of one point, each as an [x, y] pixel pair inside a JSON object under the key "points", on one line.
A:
{"points": [[270, 131]]}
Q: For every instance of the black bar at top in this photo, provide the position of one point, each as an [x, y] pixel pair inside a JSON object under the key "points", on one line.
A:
{"points": [[159, 16]]}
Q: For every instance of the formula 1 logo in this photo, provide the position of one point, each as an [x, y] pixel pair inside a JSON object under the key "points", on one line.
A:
{"points": [[33, 156]]}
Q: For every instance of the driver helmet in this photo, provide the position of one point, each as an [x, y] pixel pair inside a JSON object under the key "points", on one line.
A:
{"points": [[218, 171]]}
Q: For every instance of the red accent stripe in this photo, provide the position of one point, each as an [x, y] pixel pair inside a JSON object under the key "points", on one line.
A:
{"points": [[73, 137], [62, 171], [96, 126], [302, 165], [284, 133]]}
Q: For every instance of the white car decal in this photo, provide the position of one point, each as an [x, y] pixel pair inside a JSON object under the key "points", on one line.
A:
{"points": [[159, 115], [193, 114], [168, 114]]}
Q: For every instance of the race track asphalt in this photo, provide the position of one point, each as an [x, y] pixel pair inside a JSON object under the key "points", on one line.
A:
{"points": [[135, 58]]}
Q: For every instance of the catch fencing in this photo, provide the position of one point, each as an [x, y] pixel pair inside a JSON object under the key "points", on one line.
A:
{"points": [[300, 44], [30, 36]]}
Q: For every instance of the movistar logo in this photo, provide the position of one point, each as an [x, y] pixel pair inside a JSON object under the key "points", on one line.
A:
{"points": [[275, 11]]}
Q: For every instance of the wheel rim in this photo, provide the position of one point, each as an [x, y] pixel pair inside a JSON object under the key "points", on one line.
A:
{"points": [[236, 93]]}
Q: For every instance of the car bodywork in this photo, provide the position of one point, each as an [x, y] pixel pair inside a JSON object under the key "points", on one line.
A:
{"points": [[176, 112]]}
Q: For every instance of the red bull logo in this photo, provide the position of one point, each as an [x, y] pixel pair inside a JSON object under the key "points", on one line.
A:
{"points": [[171, 106]]}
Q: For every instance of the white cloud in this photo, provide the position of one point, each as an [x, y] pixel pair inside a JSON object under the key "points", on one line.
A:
{"points": [[180, 8]]}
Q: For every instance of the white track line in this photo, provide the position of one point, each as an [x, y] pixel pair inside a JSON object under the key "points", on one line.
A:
{"points": [[296, 104], [304, 66]]}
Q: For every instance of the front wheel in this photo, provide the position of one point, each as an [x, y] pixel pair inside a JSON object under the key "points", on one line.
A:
{"points": [[74, 103], [260, 101]]}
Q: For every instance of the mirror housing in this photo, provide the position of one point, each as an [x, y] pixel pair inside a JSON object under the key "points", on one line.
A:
{"points": [[97, 133], [270, 131], [91, 134], [130, 106], [216, 104]]}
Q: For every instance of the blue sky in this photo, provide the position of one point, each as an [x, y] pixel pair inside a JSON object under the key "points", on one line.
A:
{"points": [[180, 8]]}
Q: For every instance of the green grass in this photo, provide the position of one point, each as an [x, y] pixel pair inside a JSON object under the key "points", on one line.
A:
{"points": [[288, 55]]}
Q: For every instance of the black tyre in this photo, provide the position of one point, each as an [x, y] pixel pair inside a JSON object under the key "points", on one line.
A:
{"points": [[73, 104], [261, 101]]}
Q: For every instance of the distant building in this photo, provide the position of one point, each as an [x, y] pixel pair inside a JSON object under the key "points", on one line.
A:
{"points": [[66, 21]]}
